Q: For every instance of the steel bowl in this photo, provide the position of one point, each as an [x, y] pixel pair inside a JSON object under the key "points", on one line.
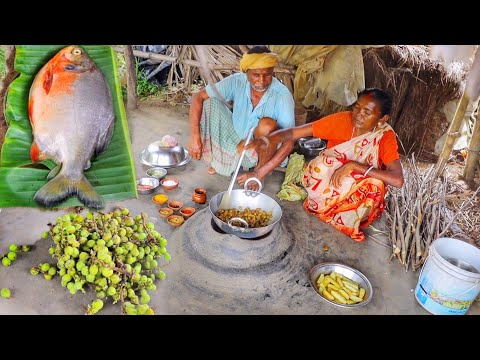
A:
{"points": [[155, 155], [311, 146], [157, 172], [147, 181], [348, 272]]}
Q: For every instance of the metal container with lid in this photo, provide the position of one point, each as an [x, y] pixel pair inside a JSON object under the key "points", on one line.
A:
{"points": [[311, 146]]}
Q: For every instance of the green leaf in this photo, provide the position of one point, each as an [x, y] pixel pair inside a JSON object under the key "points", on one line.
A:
{"points": [[112, 173]]}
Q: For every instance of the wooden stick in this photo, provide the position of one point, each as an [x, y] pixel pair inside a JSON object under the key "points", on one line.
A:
{"points": [[417, 230], [393, 232], [400, 231], [379, 242], [10, 75], [458, 212], [132, 100], [471, 163], [408, 232], [286, 69], [452, 133]]}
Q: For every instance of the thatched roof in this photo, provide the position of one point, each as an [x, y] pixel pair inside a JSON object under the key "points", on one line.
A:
{"points": [[420, 89]]}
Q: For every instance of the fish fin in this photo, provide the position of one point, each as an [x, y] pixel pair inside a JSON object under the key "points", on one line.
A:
{"points": [[104, 139], [54, 191], [35, 154], [54, 172], [61, 187], [87, 166], [30, 109], [87, 194], [47, 81]]}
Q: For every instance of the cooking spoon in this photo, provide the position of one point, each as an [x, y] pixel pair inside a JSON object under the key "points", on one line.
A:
{"points": [[227, 198]]}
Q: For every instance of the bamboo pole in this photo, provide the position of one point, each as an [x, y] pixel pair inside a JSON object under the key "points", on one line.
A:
{"points": [[471, 163], [243, 48], [472, 88], [146, 55], [132, 100], [452, 133]]}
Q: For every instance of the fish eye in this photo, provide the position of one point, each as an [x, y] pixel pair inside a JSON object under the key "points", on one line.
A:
{"points": [[77, 51]]}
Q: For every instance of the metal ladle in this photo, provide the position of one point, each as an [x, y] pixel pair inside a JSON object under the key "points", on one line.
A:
{"points": [[227, 199]]}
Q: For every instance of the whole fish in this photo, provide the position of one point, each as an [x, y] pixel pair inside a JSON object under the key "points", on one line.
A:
{"points": [[72, 118]]}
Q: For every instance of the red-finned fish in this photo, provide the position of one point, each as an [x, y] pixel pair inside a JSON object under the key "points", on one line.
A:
{"points": [[72, 117]]}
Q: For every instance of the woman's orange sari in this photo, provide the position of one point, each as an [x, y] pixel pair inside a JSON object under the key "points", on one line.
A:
{"points": [[359, 200]]}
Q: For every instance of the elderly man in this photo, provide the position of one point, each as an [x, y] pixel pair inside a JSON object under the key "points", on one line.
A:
{"points": [[259, 100]]}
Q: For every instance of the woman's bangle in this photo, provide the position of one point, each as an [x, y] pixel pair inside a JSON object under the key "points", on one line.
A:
{"points": [[265, 140], [366, 172]]}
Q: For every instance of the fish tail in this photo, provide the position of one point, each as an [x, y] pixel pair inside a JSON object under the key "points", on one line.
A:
{"points": [[87, 194], [61, 187]]}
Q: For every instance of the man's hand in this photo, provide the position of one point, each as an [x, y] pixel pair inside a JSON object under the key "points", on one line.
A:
{"points": [[240, 146], [340, 173], [195, 147], [252, 185]]}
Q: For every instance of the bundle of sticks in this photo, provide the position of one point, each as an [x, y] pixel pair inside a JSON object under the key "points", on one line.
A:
{"points": [[418, 213]]}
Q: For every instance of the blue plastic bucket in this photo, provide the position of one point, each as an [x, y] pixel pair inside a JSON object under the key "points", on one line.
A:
{"points": [[450, 278]]}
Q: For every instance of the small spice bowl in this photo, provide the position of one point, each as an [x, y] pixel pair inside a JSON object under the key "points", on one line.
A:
{"points": [[165, 212], [175, 205], [175, 220], [160, 199], [169, 183], [147, 186], [187, 211]]}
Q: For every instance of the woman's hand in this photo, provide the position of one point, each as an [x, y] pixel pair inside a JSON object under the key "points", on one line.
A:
{"points": [[252, 185], [340, 173], [195, 147]]}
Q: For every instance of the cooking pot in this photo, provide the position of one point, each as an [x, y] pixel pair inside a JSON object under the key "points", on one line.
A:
{"points": [[311, 146], [251, 199]]}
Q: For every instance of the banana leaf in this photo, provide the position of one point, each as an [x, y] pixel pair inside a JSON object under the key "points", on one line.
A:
{"points": [[112, 173]]}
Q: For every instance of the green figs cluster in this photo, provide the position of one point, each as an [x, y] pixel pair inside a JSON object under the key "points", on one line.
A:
{"points": [[116, 254]]}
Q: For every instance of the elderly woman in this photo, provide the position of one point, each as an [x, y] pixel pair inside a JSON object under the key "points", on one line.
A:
{"points": [[346, 182], [259, 100]]}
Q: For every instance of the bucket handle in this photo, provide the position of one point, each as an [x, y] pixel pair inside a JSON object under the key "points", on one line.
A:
{"points": [[455, 295]]}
